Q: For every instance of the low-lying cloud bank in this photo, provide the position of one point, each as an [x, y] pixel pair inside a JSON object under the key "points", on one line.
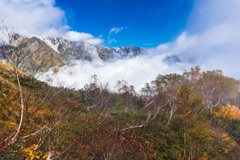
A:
{"points": [[136, 71], [211, 40]]}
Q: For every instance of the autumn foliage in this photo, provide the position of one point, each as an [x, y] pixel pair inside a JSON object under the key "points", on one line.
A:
{"points": [[190, 116], [229, 112]]}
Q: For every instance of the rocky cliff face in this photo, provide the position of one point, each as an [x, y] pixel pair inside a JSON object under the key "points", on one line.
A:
{"points": [[85, 51], [128, 51]]}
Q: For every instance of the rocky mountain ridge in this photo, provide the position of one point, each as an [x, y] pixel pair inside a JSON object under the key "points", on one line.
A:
{"points": [[69, 50], [57, 51], [51, 52]]}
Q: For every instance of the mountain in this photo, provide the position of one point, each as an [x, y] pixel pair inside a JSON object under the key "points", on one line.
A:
{"points": [[56, 51], [69, 50], [40, 54], [173, 59], [35, 54], [48, 52]]}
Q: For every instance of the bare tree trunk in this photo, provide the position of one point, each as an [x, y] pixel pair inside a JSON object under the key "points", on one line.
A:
{"points": [[22, 108], [184, 143], [171, 114]]}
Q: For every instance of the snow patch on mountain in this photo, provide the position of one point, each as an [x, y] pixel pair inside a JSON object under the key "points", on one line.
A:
{"points": [[54, 46]]}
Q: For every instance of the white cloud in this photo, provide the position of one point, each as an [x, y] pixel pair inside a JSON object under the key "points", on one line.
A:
{"points": [[112, 40], [136, 71], [95, 41], [39, 18], [33, 17], [85, 37], [213, 36], [115, 30]]}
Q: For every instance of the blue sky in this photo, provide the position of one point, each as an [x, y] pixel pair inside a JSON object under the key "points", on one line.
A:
{"points": [[145, 23], [200, 32]]}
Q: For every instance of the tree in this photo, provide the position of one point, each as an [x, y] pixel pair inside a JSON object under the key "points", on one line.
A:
{"points": [[215, 88], [229, 112], [13, 51], [127, 92], [166, 88]]}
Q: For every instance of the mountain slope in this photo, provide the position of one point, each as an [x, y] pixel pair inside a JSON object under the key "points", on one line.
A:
{"points": [[51, 52], [85, 51], [45, 53], [40, 54]]}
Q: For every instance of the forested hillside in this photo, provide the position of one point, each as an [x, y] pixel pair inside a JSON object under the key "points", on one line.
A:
{"points": [[119, 80], [195, 115]]}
